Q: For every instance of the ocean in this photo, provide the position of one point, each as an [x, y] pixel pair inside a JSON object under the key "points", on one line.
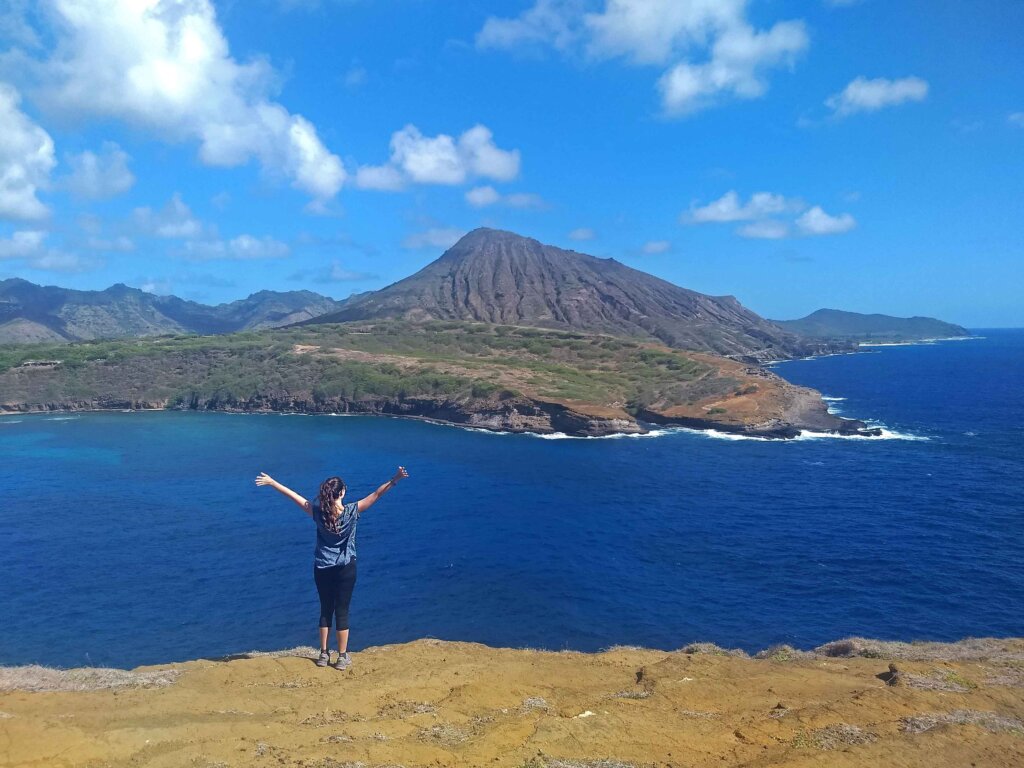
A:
{"points": [[140, 538]]}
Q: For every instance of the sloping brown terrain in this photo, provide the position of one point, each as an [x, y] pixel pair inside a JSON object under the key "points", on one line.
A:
{"points": [[494, 276], [432, 703]]}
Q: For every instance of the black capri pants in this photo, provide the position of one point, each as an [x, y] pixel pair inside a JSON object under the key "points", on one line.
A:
{"points": [[335, 585]]}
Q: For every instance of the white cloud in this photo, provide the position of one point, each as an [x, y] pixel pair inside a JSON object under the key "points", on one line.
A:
{"points": [[657, 246], [165, 66], [863, 95], [481, 197], [653, 31], [173, 220], [15, 26], [384, 178], [524, 200], [710, 48], [440, 159], [766, 229], [29, 246], [739, 59], [120, 244], [548, 22], [241, 248], [336, 272], [582, 233], [354, 77], [1016, 118], [339, 274], [59, 261], [96, 176], [22, 244], [729, 208], [816, 222], [768, 216], [435, 237], [26, 160]]}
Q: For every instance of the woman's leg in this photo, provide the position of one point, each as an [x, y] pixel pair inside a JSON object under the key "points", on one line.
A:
{"points": [[346, 583], [326, 587]]}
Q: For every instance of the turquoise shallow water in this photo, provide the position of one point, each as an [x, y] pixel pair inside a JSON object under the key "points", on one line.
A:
{"points": [[140, 538]]}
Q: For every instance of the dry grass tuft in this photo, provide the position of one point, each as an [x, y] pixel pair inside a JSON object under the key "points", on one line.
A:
{"points": [[948, 680], [641, 694], [35, 678], [532, 703], [971, 649], [834, 736], [329, 717], [698, 714], [1009, 673], [990, 721], [446, 734], [714, 650], [780, 653], [400, 709]]}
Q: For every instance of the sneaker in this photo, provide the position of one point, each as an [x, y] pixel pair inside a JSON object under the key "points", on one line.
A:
{"points": [[324, 659], [343, 662]]}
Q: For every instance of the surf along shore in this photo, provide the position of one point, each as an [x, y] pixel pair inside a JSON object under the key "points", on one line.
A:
{"points": [[431, 703]]}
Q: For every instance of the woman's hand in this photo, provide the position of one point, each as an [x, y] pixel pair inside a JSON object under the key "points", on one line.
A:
{"points": [[264, 479], [399, 475]]}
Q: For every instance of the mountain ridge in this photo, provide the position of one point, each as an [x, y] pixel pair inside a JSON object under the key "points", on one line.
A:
{"points": [[857, 326], [497, 276], [37, 313]]}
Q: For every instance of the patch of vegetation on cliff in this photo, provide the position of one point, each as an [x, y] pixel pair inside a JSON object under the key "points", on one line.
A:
{"points": [[357, 361]]}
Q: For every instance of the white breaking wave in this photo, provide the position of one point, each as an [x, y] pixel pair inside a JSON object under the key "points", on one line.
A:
{"points": [[887, 434], [615, 436], [11, 421], [828, 399], [915, 343]]}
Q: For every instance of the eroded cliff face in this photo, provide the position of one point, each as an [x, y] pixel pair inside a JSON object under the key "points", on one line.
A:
{"points": [[516, 415]]}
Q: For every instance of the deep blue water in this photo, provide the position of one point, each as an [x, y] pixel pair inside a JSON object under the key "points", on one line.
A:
{"points": [[140, 537]]}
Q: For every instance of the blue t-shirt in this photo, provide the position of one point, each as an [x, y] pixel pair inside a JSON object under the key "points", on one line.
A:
{"points": [[337, 545]]}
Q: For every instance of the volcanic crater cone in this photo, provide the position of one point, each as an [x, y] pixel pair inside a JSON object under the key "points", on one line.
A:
{"points": [[495, 276]]}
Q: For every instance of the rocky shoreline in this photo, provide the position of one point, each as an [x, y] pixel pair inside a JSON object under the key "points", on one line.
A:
{"points": [[515, 415]]}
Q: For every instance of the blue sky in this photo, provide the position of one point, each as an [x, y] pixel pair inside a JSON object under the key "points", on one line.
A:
{"points": [[860, 155]]}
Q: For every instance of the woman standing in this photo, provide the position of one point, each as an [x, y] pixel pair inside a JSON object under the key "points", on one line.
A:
{"points": [[334, 560]]}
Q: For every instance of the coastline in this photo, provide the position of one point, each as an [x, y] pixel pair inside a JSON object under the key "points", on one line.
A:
{"points": [[872, 345], [852, 702], [580, 425]]}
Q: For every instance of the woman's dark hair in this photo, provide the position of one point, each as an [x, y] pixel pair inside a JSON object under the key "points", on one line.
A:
{"points": [[330, 490]]}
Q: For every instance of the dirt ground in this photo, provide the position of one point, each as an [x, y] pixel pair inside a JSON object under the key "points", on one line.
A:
{"points": [[432, 703]]}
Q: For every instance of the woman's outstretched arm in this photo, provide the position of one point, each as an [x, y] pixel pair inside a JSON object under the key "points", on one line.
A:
{"points": [[368, 501], [264, 479]]}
